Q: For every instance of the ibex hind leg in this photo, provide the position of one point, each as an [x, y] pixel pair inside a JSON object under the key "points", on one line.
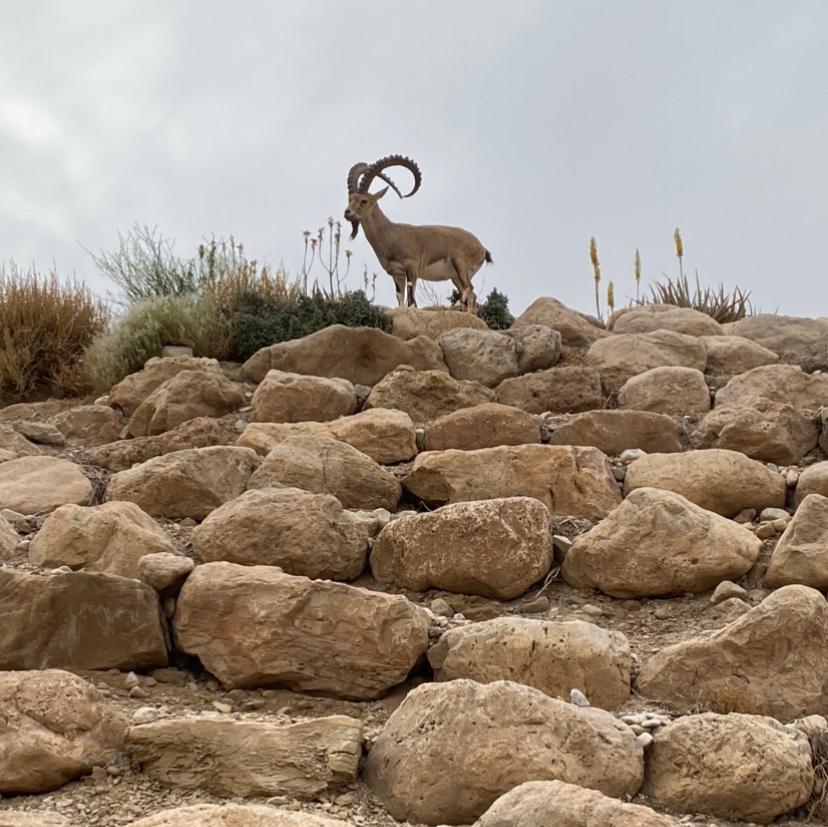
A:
{"points": [[464, 287]]}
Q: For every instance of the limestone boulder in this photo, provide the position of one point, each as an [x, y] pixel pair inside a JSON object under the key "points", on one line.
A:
{"points": [[56, 727], [35, 411], [657, 542], [363, 355], [385, 435], [614, 431], [725, 482], [8, 539], [568, 480], [650, 317], [249, 758], [744, 767], [447, 752], [482, 426], [257, 626], [495, 548], [33, 818], [294, 397], [793, 338], [189, 483], [165, 571], [85, 620], [15, 443], [323, 465], [783, 384], [730, 355], [301, 533], [34, 484], [557, 390], [426, 395], [772, 660], [538, 346], [554, 657], [801, 555], [812, 480], [109, 538], [544, 803], [88, 425], [409, 322], [674, 391], [235, 815], [576, 329]]}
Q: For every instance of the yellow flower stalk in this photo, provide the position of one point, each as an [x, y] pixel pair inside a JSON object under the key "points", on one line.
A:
{"points": [[679, 250], [610, 297], [637, 274]]}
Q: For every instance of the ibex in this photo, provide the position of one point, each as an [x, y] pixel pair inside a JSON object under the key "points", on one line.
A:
{"points": [[407, 252]]}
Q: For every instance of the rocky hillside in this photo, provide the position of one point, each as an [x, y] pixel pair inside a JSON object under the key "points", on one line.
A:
{"points": [[554, 575]]}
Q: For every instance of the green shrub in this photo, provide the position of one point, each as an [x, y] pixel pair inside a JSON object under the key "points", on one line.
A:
{"points": [[494, 311]]}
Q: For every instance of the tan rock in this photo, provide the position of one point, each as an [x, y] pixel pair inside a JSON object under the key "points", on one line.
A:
{"points": [[409, 322], [188, 483], [363, 355], [495, 548], [551, 656], [39, 432], [318, 636], [8, 539], [56, 726], [323, 465], [89, 425], [801, 555], [614, 431], [657, 542], [249, 758], [164, 571], [387, 436], [545, 803], [730, 355], [793, 338], [482, 426], [302, 533], [649, 317], [576, 329], [669, 390], [35, 484], [426, 395], [35, 818], [812, 480], [235, 815], [743, 767], [16, 443], [38, 411], [538, 346], [738, 667], [784, 384], [726, 482], [109, 538], [557, 390], [293, 397], [442, 756], [568, 480]]}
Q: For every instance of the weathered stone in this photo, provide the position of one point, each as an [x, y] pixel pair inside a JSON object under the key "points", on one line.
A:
{"points": [[33, 818], [729, 355], [743, 767], [188, 483], [257, 626], [409, 322], [294, 397], [323, 465], [538, 346], [793, 338], [575, 328], [482, 426], [557, 390], [551, 656], [568, 480], [442, 757], [41, 433], [363, 355], [164, 571], [801, 555], [235, 815], [249, 758], [674, 391], [657, 542], [726, 482], [649, 317], [614, 431], [302, 533], [387, 436], [495, 548], [56, 726], [108, 538], [812, 480], [8, 538], [738, 667], [38, 411], [34, 484], [783, 384], [16, 443], [89, 425], [85, 620]]}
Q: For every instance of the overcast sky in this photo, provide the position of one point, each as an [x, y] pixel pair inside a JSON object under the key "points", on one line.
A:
{"points": [[536, 124]]}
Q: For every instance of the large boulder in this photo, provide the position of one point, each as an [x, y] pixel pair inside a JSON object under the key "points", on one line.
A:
{"points": [[614, 431], [85, 620], [301, 533], [812, 480], [33, 484], [555, 657], [557, 390], [792, 338], [249, 758], [409, 322], [88, 425], [362, 355], [568, 480], [546, 803], [294, 397], [743, 767], [649, 317], [427, 394], [8, 538], [257, 626], [483, 426], [495, 548], [109, 538], [235, 815], [801, 555], [323, 465], [447, 752], [576, 329], [387, 436], [188, 483], [784, 384], [772, 660], [726, 482], [56, 727], [15, 443], [657, 542], [668, 390], [729, 355]]}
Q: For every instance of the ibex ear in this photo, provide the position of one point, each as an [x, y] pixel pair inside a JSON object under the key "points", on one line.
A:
{"points": [[378, 195]]}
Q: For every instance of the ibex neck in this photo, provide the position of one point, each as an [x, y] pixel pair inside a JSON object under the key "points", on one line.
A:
{"points": [[377, 229]]}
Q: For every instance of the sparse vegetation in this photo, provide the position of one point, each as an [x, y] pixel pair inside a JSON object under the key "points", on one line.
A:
{"points": [[494, 311], [720, 304]]}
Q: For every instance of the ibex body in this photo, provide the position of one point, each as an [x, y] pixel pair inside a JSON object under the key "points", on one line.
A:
{"points": [[408, 252]]}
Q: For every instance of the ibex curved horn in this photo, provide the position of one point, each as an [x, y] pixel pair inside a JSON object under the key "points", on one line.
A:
{"points": [[353, 176], [375, 170]]}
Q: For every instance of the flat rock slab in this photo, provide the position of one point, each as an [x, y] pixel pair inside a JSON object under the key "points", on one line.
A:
{"points": [[482, 426], [614, 431], [556, 390], [34, 484], [235, 815]]}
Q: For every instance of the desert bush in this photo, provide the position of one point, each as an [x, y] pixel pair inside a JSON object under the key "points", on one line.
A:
{"points": [[45, 326], [494, 310], [720, 304]]}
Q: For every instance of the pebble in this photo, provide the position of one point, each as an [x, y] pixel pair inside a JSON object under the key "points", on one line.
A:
{"points": [[138, 692], [561, 543], [220, 706], [645, 739], [578, 698], [537, 605], [619, 472], [662, 613], [792, 477], [768, 514], [131, 680], [593, 611], [746, 516], [765, 531], [441, 607], [631, 455], [727, 589]]}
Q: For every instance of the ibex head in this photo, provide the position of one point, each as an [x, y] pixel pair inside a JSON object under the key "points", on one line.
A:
{"points": [[360, 201]]}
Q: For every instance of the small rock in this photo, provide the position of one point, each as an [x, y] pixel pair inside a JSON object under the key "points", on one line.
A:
{"points": [[765, 531], [727, 589], [131, 680], [619, 472], [593, 611], [537, 605], [220, 706], [441, 607], [792, 477], [562, 544], [645, 739], [769, 514], [748, 515], [138, 692], [578, 698], [631, 454], [662, 613]]}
